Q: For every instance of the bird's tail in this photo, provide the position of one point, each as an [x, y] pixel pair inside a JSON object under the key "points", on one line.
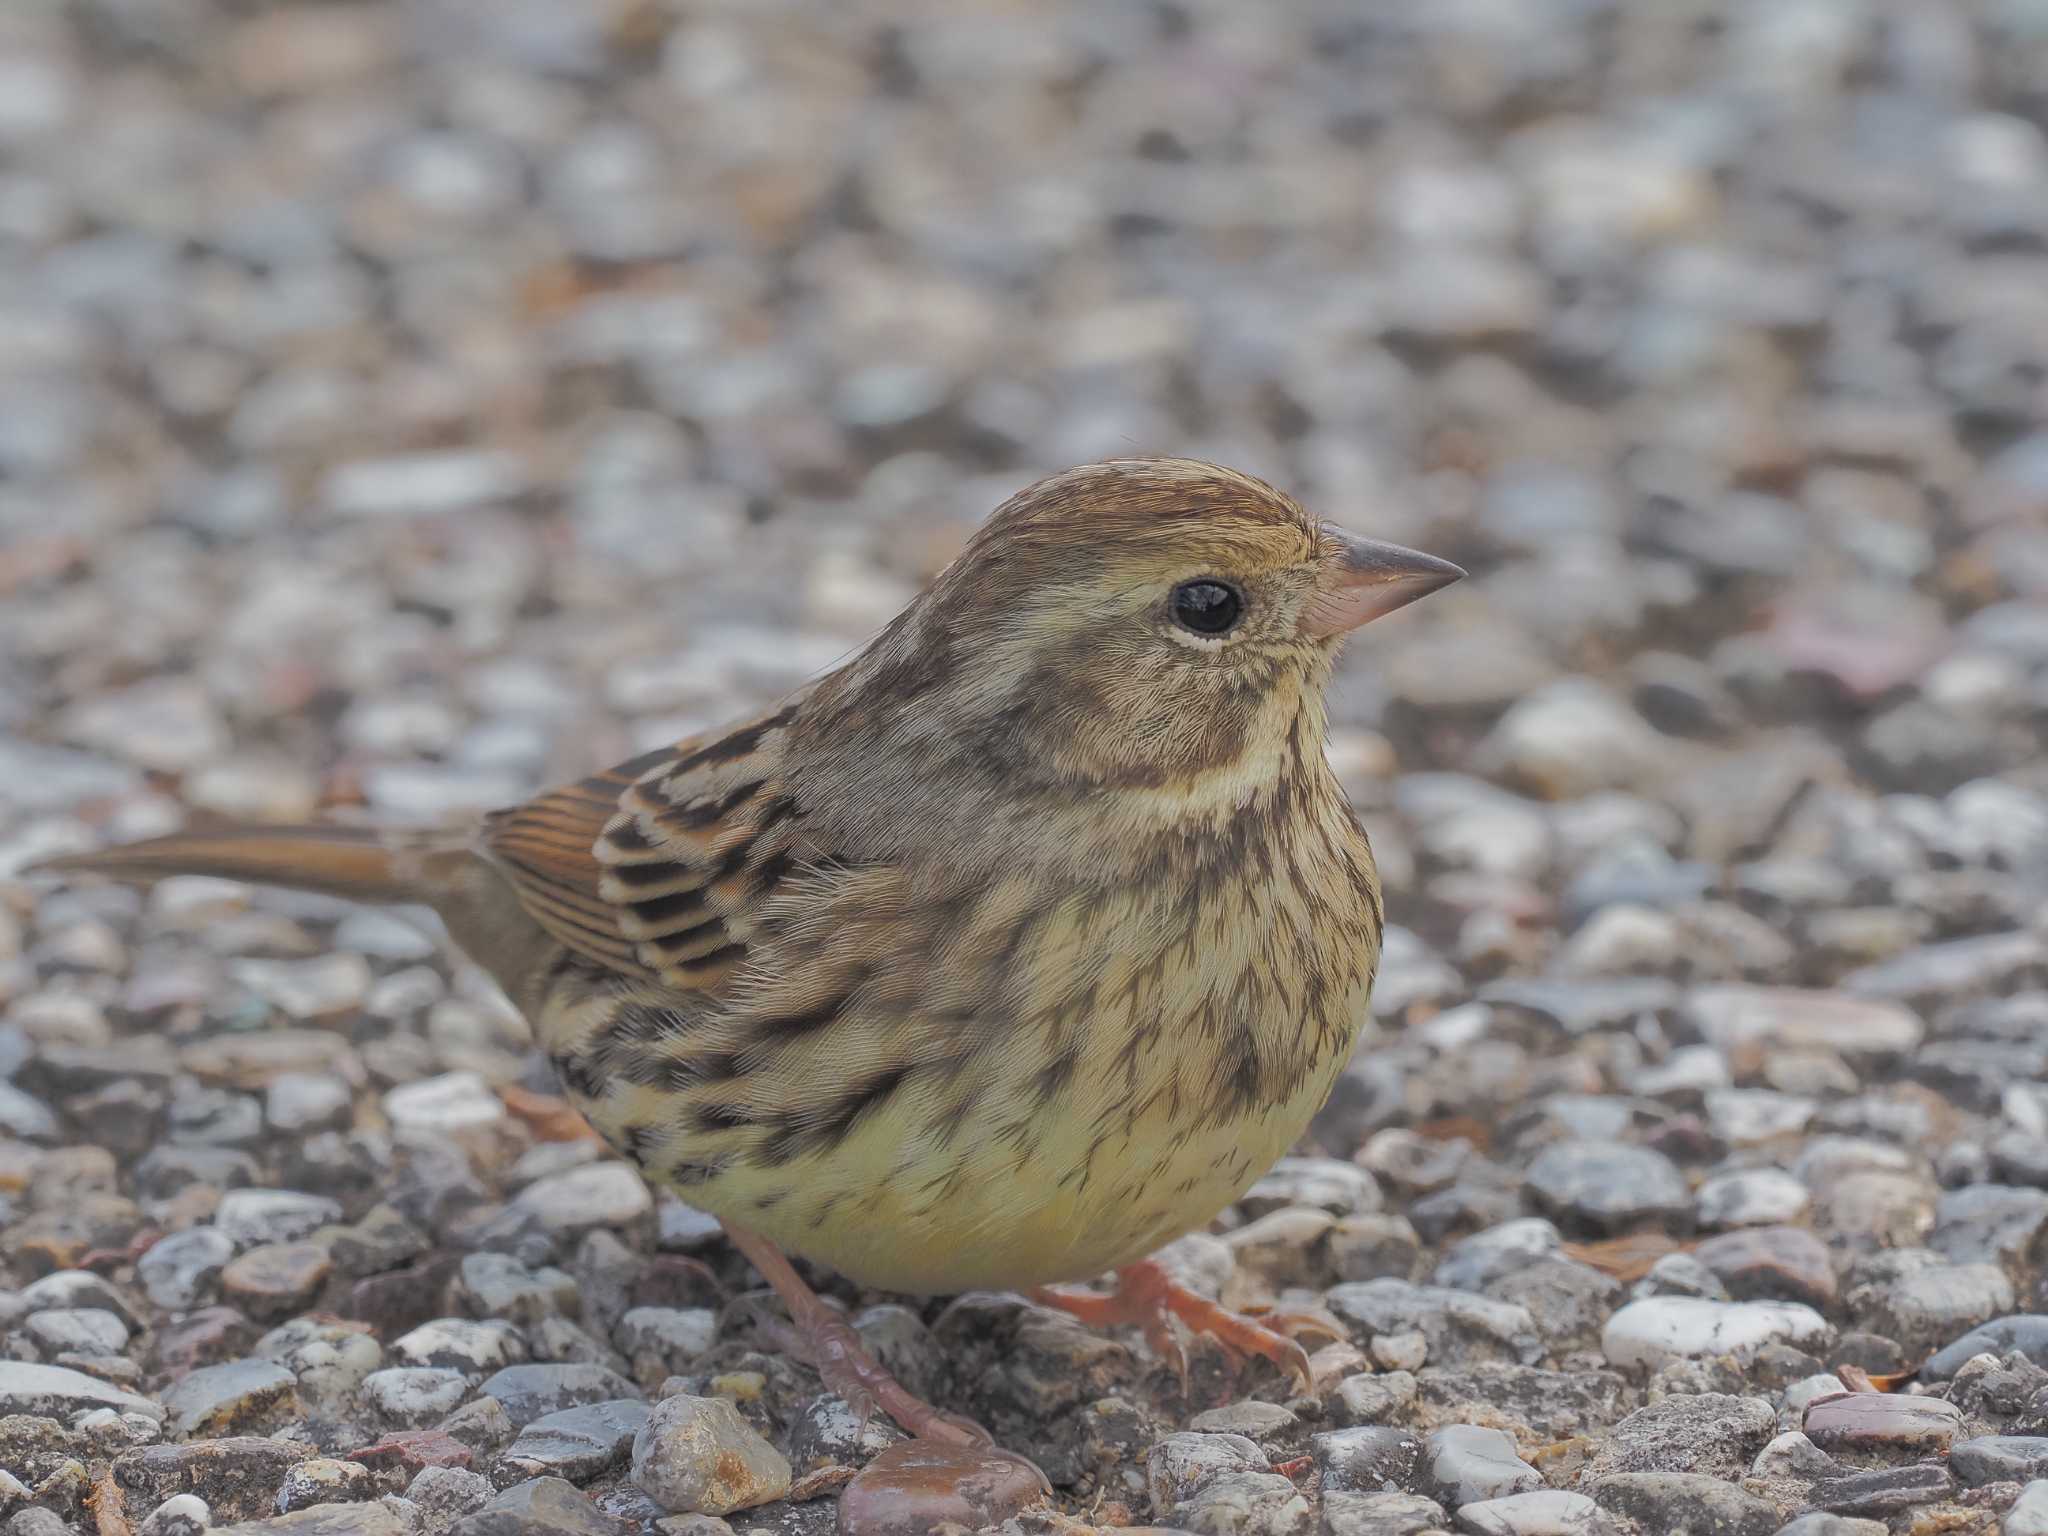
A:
{"points": [[370, 864]]}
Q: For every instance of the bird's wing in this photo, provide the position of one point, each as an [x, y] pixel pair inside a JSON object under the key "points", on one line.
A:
{"points": [[652, 868]]}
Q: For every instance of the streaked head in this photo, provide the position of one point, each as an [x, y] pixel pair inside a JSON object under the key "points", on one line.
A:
{"points": [[1139, 623]]}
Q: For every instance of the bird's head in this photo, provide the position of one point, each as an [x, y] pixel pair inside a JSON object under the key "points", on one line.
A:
{"points": [[1147, 624]]}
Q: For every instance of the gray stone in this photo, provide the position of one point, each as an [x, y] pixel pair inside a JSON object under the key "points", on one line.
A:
{"points": [[77, 1330], [1460, 1327], [1882, 1421], [1999, 1459], [323, 1480], [529, 1391], [1885, 1492], [1708, 1432], [1369, 1459], [1181, 1465], [1245, 1504], [696, 1455], [221, 1399], [1665, 1328], [1676, 1501], [443, 1495], [248, 1217], [541, 1506], [578, 1444], [182, 1271], [1380, 1514], [51, 1391], [1540, 1512], [2025, 1333], [1607, 1186], [455, 1343], [2029, 1513], [1468, 1464], [412, 1396], [182, 1514]]}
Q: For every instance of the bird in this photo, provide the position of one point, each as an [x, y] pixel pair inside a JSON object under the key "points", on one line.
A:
{"points": [[1010, 950]]}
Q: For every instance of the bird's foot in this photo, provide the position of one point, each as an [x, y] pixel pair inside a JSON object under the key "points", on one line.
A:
{"points": [[1146, 1296], [827, 1342]]}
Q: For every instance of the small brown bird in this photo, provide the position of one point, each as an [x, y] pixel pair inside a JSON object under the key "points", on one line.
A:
{"points": [[1011, 950]]}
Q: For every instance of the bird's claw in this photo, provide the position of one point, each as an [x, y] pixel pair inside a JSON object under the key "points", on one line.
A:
{"points": [[1147, 1296]]}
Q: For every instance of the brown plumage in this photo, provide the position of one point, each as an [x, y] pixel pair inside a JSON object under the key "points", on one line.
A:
{"points": [[1014, 948]]}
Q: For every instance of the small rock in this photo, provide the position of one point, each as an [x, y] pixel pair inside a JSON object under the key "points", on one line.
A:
{"points": [[543, 1506], [2025, 1333], [1882, 1421], [1540, 1512], [916, 1486], [1681, 1501], [696, 1455], [219, 1399], [51, 1391], [414, 1395], [182, 1514], [2029, 1513], [1468, 1464], [443, 1495], [1362, 1460], [237, 1478], [248, 1217], [1607, 1187], [578, 1444], [77, 1330], [600, 1195], [455, 1343], [1885, 1492], [1381, 1514], [1665, 1328], [322, 1480], [182, 1270], [1458, 1326], [1999, 1459], [276, 1279], [1707, 1432], [528, 1391]]}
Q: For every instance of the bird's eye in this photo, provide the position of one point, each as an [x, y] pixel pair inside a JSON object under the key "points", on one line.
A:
{"points": [[1206, 607]]}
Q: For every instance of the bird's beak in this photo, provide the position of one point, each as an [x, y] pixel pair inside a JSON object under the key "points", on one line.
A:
{"points": [[1363, 580]]}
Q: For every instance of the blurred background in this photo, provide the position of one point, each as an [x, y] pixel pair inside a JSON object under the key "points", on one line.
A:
{"points": [[413, 404]]}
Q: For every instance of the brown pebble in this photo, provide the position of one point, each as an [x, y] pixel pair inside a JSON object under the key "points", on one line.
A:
{"points": [[916, 1486], [277, 1279], [1772, 1264], [413, 1449]]}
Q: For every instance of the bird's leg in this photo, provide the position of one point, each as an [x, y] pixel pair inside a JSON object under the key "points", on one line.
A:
{"points": [[1146, 1296], [841, 1360]]}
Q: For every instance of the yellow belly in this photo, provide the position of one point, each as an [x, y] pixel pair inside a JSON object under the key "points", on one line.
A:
{"points": [[996, 1214]]}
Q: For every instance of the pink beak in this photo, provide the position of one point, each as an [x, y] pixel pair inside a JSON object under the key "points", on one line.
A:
{"points": [[1364, 580]]}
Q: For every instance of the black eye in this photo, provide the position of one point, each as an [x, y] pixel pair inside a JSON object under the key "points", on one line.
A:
{"points": [[1206, 607]]}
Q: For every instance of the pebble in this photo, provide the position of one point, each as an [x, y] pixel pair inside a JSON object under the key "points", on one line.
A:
{"points": [[1998, 1459], [57, 1392], [1674, 1501], [529, 1391], [577, 1443], [1885, 1492], [1696, 1432], [1882, 1421], [601, 1195], [1607, 1186], [2028, 1515], [696, 1455], [415, 1395], [1541, 1512], [1457, 1326], [541, 1506], [226, 1398], [1654, 1332]]}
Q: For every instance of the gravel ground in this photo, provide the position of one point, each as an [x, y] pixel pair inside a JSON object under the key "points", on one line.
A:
{"points": [[410, 405]]}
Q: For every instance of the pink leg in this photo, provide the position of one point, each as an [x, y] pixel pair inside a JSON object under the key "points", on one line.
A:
{"points": [[1146, 1296], [842, 1360]]}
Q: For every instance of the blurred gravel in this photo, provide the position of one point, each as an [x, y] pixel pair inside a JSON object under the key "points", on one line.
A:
{"points": [[404, 406]]}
